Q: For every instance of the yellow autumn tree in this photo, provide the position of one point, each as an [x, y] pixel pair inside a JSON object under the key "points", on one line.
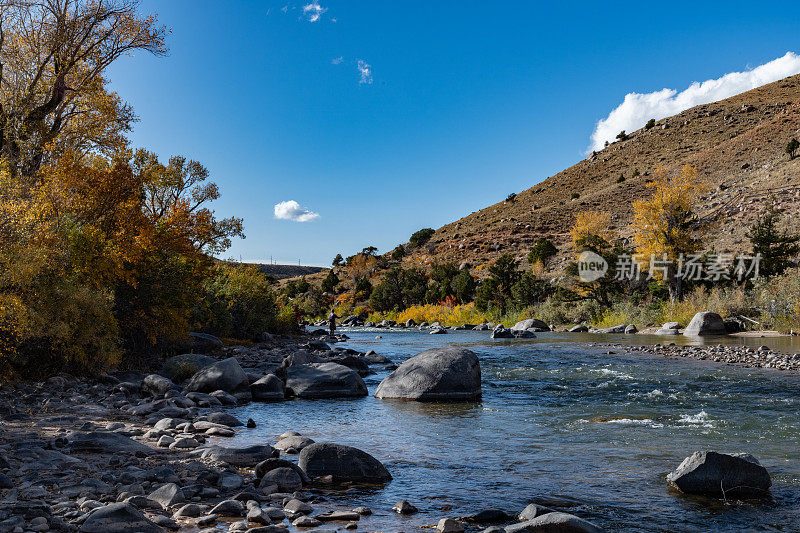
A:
{"points": [[591, 230], [665, 225]]}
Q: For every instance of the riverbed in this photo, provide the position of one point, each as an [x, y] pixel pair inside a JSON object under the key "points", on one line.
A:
{"points": [[565, 422]]}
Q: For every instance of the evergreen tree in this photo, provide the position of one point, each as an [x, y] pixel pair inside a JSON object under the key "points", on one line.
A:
{"points": [[776, 247]]}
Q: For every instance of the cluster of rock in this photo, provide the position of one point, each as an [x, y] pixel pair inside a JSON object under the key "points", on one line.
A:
{"points": [[130, 452], [525, 329], [761, 357]]}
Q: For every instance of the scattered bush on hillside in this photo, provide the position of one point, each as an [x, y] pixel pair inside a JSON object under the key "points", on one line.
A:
{"points": [[542, 250], [418, 238], [622, 136], [337, 261], [650, 124], [791, 148], [575, 196]]}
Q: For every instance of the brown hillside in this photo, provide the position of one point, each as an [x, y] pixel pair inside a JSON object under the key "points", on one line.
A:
{"points": [[737, 145]]}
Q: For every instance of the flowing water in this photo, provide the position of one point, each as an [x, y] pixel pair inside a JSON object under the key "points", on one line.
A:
{"points": [[563, 423]]}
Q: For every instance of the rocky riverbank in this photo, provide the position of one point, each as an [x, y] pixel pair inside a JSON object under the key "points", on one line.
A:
{"points": [[761, 357], [145, 452]]}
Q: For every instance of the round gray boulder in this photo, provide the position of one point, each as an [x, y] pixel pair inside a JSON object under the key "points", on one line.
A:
{"points": [[324, 380], [737, 475], [532, 323], [268, 388], [706, 323], [225, 375], [438, 374], [342, 463]]}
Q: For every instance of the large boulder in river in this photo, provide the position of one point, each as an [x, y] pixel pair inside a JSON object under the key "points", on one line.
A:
{"points": [[706, 323], [268, 388], [324, 380], [225, 375], [342, 463], [555, 522], [737, 475], [532, 323], [181, 367], [118, 518], [448, 373]]}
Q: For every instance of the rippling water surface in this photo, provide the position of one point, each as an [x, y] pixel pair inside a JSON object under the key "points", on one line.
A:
{"points": [[565, 424]]}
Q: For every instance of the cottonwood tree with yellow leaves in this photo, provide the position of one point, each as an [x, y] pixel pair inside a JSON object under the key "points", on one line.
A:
{"points": [[665, 225], [592, 231], [104, 252]]}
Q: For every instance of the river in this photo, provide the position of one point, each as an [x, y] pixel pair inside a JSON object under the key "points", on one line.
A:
{"points": [[581, 427]]}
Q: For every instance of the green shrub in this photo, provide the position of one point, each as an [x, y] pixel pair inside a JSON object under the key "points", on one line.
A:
{"points": [[418, 238], [542, 250], [330, 282], [650, 124], [530, 290], [238, 302], [463, 285], [575, 196]]}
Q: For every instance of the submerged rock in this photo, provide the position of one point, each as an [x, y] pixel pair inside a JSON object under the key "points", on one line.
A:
{"points": [[737, 475], [449, 374]]}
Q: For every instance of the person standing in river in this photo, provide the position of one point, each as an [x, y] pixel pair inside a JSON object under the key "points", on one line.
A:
{"points": [[332, 322]]}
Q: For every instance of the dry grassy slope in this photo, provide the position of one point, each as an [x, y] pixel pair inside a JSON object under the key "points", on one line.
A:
{"points": [[737, 144]]}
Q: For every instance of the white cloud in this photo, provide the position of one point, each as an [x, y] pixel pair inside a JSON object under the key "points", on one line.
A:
{"points": [[337, 60], [314, 11], [366, 72], [638, 108], [291, 210]]}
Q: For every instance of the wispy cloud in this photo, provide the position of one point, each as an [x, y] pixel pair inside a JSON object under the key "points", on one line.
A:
{"points": [[291, 210], [337, 60], [313, 11], [636, 109], [365, 69]]}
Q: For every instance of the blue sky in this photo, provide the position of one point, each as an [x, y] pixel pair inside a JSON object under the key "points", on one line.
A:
{"points": [[467, 102]]}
